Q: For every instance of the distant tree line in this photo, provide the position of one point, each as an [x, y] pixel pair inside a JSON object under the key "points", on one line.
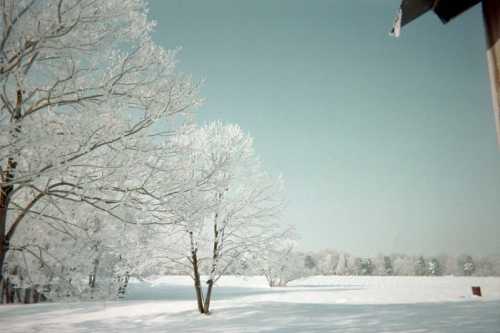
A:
{"points": [[281, 264], [331, 262]]}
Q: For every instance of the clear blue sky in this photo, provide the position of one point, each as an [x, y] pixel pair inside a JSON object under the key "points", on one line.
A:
{"points": [[386, 145]]}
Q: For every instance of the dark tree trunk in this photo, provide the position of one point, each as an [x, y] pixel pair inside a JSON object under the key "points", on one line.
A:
{"points": [[197, 282], [215, 257], [3, 291], [122, 289], [27, 295], [8, 292], [92, 277], [2, 259], [18, 293], [196, 274], [206, 306], [4, 242], [36, 294], [6, 188]]}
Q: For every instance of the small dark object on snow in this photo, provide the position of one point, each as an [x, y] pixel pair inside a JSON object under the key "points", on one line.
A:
{"points": [[476, 291]]}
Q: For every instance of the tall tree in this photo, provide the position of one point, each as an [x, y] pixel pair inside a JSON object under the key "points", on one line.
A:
{"points": [[79, 79], [231, 211]]}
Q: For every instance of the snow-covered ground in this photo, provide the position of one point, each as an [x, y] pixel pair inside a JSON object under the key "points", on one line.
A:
{"points": [[315, 304]]}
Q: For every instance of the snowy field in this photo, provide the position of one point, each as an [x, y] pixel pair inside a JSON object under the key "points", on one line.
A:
{"points": [[315, 304]]}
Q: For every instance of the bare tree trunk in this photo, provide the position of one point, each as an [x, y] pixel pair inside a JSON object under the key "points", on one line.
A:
{"points": [[2, 291], [36, 294], [5, 191], [93, 275], [206, 306], [8, 293], [123, 284], [196, 273], [27, 295], [3, 250], [197, 283], [6, 188], [4, 204], [215, 258]]}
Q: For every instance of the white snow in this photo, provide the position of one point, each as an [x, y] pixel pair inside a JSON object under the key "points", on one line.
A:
{"points": [[396, 29], [246, 304]]}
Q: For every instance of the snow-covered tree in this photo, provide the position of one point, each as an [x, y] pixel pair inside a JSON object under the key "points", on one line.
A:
{"points": [[342, 268], [433, 267], [82, 256], [81, 81], [310, 263], [231, 211], [485, 266], [366, 266], [382, 265], [279, 263], [450, 265], [403, 265], [466, 265], [420, 266], [353, 265], [327, 261], [495, 264]]}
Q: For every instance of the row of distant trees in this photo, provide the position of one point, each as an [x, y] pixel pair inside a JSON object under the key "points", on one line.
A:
{"points": [[281, 264], [331, 262]]}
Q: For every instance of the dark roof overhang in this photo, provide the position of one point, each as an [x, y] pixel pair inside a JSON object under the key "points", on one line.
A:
{"points": [[444, 9]]}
